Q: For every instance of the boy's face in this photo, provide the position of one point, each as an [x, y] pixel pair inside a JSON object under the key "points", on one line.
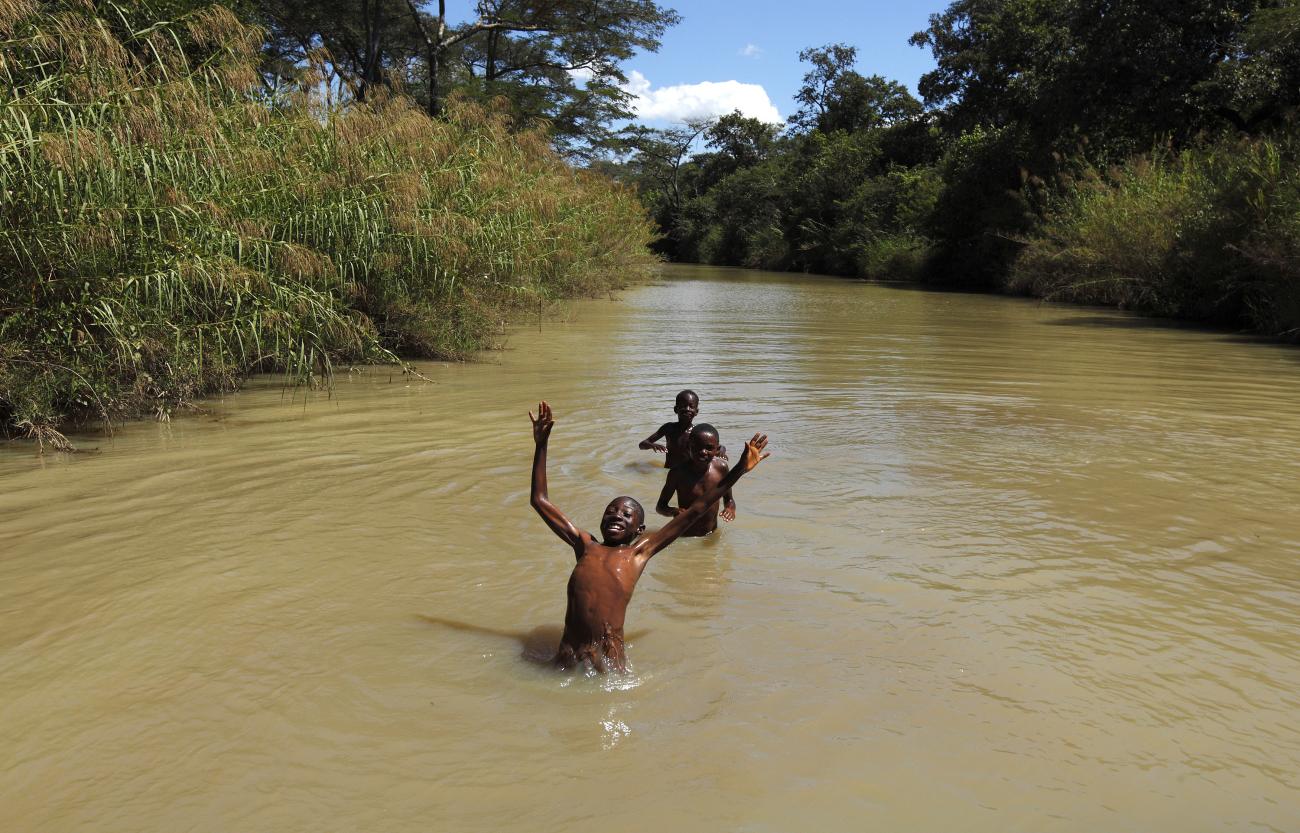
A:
{"points": [[624, 519], [704, 447], [686, 408]]}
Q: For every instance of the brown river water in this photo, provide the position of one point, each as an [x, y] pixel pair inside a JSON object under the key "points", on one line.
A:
{"points": [[1011, 567]]}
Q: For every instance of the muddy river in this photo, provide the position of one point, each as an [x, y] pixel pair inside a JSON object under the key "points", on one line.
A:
{"points": [[1011, 567]]}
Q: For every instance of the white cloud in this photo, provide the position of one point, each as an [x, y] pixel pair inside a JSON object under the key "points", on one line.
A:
{"points": [[750, 51], [582, 74], [707, 99]]}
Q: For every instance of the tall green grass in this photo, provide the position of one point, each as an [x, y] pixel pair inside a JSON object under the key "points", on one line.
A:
{"points": [[169, 227], [1211, 234]]}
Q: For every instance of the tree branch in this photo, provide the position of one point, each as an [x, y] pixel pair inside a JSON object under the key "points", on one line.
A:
{"points": [[481, 26]]}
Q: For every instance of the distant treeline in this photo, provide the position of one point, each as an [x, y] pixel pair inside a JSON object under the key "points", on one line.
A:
{"points": [[1139, 153], [172, 222]]}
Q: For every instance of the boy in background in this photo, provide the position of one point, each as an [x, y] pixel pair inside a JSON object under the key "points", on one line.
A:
{"points": [[691, 480], [675, 434]]}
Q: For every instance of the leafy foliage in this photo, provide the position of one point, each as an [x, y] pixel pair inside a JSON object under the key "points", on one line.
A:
{"points": [[1211, 233], [167, 230], [836, 97], [1118, 72], [555, 62], [833, 194], [1133, 152]]}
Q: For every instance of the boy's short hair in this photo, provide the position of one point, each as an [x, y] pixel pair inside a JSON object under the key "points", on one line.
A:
{"points": [[707, 429], [640, 510]]}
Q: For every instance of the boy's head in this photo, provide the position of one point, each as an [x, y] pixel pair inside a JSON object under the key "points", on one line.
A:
{"points": [[624, 519], [705, 443], [687, 406]]}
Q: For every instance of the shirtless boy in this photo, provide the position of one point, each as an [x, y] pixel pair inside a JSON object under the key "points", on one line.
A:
{"points": [[691, 480], [676, 435], [602, 581]]}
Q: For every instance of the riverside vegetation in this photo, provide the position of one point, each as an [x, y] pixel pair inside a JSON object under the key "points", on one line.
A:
{"points": [[1136, 153], [171, 225]]}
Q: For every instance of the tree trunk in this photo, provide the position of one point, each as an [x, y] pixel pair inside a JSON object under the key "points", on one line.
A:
{"points": [[433, 49], [365, 56], [374, 70], [370, 58], [435, 59]]}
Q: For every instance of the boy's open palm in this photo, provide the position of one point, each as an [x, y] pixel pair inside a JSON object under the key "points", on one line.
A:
{"points": [[542, 423], [754, 453]]}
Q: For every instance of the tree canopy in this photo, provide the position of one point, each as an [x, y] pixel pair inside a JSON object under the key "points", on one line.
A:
{"points": [[553, 61], [1118, 72], [834, 96], [1040, 119]]}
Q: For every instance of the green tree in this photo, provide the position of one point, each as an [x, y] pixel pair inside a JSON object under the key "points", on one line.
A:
{"points": [[738, 142], [1259, 87], [836, 97], [744, 140], [1114, 73], [556, 61], [659, 164], [741, 220], [530, 50], [366, 43]]}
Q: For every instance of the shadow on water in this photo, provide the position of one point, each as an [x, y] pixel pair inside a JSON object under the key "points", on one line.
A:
{"points": [[537, 645], [1136, 321], [1106, 317], [927, 288]]}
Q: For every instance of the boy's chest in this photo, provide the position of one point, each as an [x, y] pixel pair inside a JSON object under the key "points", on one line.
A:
{"points": [[692, 485], [678, 439], [603, 570]]}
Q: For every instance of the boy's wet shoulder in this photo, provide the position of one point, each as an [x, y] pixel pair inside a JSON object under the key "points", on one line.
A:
{"points": [[604, 559]]}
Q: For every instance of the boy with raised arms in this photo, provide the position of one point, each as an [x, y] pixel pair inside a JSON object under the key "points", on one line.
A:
{"points": [[602, 581]]}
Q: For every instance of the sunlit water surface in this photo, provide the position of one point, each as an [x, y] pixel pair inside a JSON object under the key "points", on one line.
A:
{"points": [[1012, 567]]}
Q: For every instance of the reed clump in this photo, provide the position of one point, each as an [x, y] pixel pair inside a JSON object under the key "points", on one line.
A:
{"points": [[170, 227], [1211, 234]]}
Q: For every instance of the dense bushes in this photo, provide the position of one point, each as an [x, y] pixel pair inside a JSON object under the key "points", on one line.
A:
{"points": [[832, 203], [1211, 234], [169, 226], [999, 183]]}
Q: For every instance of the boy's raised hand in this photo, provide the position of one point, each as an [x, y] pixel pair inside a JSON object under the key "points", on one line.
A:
{"points": [[754, 453], [542, 423]]}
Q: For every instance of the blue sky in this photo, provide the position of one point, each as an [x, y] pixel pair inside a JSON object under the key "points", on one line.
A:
{"points": [[755, 46]]}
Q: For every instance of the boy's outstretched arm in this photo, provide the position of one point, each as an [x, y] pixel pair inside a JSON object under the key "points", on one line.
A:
{"points": [[649, 444], [662, 507], [660, 538], [555, 519]]}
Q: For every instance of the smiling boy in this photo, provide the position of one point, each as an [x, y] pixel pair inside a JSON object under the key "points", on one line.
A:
{"points": [[675, 435], [702, 470], [607, 571]]}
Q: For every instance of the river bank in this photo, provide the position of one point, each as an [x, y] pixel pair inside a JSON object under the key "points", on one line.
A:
{"points": [[1185, 205], [1210, 235]]}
